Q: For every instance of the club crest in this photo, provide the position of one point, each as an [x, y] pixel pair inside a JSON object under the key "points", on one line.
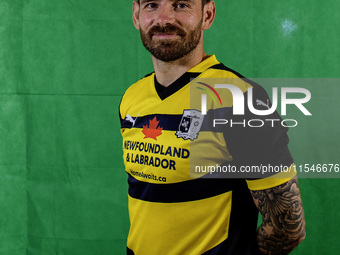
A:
{"points": [[190, 124]]}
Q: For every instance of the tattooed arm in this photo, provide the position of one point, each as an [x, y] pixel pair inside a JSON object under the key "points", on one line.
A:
{"points": [[283, 223]]}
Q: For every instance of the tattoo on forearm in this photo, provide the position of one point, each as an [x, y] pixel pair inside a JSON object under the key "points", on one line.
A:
{"points": [[283, 225]]}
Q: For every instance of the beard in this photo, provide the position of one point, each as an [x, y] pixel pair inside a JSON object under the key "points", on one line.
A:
{"points": [[171, 49]]}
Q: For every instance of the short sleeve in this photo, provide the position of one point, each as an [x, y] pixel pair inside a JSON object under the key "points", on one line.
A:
{"points": [[259, 141]]}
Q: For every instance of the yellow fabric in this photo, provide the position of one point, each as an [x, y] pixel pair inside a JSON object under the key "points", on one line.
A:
{"points": [[170, 225]]}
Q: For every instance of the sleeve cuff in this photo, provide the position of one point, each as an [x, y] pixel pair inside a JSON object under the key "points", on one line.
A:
{"points": [[272, 181]]}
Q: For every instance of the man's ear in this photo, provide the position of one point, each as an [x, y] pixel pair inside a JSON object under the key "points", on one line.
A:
{"points": [[135, 14], [209, 12]]}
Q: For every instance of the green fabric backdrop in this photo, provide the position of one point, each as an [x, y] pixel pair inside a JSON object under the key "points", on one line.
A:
{"points": [[64, 66]]}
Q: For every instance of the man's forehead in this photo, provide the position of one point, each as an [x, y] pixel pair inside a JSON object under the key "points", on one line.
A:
{"points": [[190, 1]]}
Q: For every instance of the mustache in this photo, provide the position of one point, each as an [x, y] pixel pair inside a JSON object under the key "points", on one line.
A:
{"points": [[168, 29]]}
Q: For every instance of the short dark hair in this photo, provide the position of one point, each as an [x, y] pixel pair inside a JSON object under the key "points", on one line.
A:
{"points": [[203, 2]]}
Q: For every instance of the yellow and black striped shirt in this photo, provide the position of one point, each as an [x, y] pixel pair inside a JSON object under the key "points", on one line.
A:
{"points": [[171, 211]]}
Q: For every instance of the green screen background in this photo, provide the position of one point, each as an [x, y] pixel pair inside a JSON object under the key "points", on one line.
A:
{"points": [[64, 66]]}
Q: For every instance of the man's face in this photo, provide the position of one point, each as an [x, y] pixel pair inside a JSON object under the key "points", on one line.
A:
{"points": [[170, 29]]}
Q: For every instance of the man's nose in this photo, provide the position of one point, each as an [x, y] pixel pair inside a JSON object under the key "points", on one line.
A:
{"points": [[166, 15]]}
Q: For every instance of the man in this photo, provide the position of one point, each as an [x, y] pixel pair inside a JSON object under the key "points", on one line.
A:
{"points": [[171, 212]]}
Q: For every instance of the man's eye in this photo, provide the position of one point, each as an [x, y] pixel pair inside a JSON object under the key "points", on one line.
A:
{"points": [[151, 5], [181, 6]]}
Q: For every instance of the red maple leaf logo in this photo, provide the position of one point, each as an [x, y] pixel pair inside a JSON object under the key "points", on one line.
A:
{"points": [[152, 131]]}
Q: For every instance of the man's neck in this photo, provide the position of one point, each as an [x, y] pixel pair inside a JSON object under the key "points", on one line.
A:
{"points": [[168, 72]]}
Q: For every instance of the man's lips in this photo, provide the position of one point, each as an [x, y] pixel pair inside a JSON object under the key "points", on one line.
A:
{"points": [[165, 36]]}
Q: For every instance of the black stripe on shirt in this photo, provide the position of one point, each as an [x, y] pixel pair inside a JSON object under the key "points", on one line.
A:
{"points": [[190, 190], [171, 122]]}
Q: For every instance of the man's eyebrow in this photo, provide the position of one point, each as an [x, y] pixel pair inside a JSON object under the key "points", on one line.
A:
{"points": [[146, 1], [190, 1]]}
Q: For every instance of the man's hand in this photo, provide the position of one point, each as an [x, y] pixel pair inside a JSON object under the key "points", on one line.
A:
{"points": [[283, 223]]}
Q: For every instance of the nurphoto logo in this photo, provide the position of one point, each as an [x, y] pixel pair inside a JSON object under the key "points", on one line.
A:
{"points": [[238, 103]]}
